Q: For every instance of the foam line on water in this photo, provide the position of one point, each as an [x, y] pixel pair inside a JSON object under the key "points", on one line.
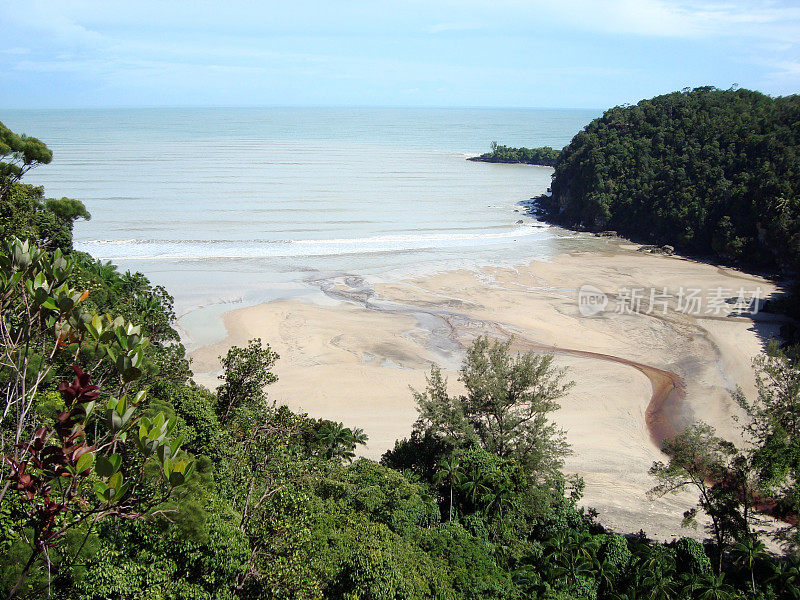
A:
{"points": [[153, 249]]}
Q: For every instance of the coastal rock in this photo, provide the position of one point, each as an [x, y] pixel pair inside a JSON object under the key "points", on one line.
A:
{"points": [[665, 250]]}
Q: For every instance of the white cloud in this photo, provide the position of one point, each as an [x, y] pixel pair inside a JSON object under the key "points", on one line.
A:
{"points": [[132, 46], [82, 21], [48, 20], [665, 18], [785, 75]]}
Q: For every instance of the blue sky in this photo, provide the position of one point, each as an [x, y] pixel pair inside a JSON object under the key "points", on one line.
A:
{"points": [[554, 53]]}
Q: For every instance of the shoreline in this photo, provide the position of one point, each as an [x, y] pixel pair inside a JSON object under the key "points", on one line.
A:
{"points": [[639, 378], [477, 158]]}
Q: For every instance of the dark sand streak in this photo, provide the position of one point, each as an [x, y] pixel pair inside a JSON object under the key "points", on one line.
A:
{"points": [[665, 416], [665, 413]]}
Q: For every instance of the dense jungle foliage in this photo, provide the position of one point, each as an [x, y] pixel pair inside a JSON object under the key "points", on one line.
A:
{"points": [[122, 478], [544, 156], [708, 171]]}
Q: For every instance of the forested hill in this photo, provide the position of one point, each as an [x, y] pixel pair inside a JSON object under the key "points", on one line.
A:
{"points": [[709, 171]]}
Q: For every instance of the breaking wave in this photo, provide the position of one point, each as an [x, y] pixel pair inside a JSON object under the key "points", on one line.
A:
{"points": [[159, 249]]}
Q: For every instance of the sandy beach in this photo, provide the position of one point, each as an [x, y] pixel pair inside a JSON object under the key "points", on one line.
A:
{"points": [[643, 367]]}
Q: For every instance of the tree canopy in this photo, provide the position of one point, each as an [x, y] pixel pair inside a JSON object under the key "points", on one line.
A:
{"points": [[19, 154], [506, 408], [24, 211], [544, 156], [708, 171]]}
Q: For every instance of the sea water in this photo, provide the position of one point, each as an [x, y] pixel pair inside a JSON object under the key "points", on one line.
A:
{"points": [[236, 205]]}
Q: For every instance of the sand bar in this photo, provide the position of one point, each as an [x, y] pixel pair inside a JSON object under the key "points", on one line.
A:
{"points": [[641, 374]]}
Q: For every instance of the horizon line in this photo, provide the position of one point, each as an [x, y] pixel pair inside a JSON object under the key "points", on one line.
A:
{"points": [[295, 106]]}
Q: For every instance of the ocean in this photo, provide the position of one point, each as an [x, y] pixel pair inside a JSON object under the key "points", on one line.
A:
{"points": [[234, 206]]}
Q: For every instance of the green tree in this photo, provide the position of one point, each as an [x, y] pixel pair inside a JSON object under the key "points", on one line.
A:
{"points": [[747, 552], [570, 557], [708, 171], [337, 441], [773, 427], [247, 371], [702, 461], [450, 472], [713, 587], [506, 408], [471, 563], [19, 154], [545, 156], [613, 559], [786, 576], [24, 211], [419, 454], [95, 455], [692, 557]]}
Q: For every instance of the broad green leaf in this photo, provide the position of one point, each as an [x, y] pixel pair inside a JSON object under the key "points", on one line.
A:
{"points": [[103, 466], [115, 421], [115, 480], [100, 490], [159, 420], [131, 374], [120, 493], [116, 461], [176, 444], [84, 462], [88, 408], [127, 416]]}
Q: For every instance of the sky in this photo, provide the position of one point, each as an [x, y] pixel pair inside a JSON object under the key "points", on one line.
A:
{"points": [[464, 53]]}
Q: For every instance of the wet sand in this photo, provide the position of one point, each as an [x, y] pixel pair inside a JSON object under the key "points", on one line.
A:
{"points": [[640, 378]]}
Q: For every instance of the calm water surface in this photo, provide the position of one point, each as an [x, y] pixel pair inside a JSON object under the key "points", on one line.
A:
{"points": [[246, 205]]}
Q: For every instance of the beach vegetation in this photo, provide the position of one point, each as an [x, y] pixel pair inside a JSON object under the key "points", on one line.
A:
{"points": [[543, 157], [24, 211], [76, 450], [506, 409], [772, 429], [246, 372], [708, 171], [719, 473], [18, 155]]}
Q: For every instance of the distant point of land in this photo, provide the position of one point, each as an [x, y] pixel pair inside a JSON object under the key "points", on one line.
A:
{"points": [[544, 156]]}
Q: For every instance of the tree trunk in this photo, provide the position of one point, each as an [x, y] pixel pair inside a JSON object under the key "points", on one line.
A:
{"points": [[451, 503]]}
